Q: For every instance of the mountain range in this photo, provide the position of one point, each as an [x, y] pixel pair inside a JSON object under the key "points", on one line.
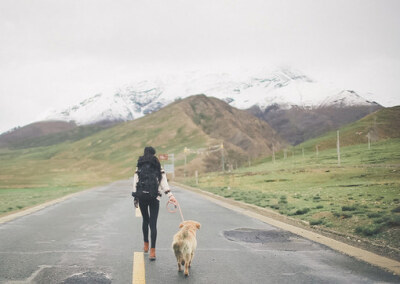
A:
{"points": [[40, 155], [294, 104]]}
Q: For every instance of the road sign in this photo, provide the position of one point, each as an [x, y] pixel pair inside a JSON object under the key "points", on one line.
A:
{"points": [[163, 157], [169, 168]]}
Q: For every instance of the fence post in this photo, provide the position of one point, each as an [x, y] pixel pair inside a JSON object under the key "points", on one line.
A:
{"points": [[273, 153], [173, 165], [222, 157], [338, 148], [184, 170], [369, 140]]}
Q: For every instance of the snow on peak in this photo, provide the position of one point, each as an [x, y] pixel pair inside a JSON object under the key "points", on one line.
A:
{"points": [[126, 104], [346, 98], [284, 87]]}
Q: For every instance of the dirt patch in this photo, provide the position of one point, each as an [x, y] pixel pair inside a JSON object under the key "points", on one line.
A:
{"points": [[276, 180], [320, 215]]}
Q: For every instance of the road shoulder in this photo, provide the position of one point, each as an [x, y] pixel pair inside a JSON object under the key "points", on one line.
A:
{"points": [[35, 208]]}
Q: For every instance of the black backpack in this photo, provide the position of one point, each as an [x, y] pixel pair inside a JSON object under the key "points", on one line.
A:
{"points": [[147, 186]]}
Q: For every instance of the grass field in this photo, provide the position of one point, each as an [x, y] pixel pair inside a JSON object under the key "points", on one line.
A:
{"points": [[360, 197], [13, 199], [45, 169]]}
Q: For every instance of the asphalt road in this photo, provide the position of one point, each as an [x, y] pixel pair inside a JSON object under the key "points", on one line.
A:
{"points": [[92, 237]]}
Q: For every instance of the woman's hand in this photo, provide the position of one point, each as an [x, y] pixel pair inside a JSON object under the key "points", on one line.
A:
{"points": [[173, 200], [136, 203]]}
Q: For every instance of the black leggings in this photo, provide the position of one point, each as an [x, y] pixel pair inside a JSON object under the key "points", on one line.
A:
{"points": [[151, 220]]}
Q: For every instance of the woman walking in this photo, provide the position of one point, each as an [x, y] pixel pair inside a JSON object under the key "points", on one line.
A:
{"points": [[149, 182]]}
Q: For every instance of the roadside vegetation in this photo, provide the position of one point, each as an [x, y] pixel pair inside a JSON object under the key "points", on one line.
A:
{"points": [[360, 197]]}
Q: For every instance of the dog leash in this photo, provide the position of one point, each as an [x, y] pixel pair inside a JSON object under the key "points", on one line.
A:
{"points": [[176, 205]]}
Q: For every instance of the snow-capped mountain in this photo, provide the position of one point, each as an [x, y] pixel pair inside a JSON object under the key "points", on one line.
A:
{"points": [[128, 104], [346, 98], [285, 87]]}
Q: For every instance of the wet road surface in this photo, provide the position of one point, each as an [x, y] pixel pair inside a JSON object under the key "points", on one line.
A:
{"points": [[92, 237]]}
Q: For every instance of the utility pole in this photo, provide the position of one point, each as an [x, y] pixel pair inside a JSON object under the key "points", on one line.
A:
{"points": [[173, 165], [338, 148], [185, 152], [369, 140], [273, 153], [222, 157], [316, 150]]}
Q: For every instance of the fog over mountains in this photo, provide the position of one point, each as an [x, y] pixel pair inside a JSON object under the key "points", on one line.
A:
{"points": [[283, 88]]}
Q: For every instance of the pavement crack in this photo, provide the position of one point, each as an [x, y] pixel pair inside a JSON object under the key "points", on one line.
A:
{"points": [[30, 278]]}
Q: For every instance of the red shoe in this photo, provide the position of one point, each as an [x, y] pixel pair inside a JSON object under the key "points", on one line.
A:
{"points": [[152, 255], [146, 247]]}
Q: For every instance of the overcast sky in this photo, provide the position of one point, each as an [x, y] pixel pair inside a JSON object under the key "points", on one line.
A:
{"points": [[56, 53]]}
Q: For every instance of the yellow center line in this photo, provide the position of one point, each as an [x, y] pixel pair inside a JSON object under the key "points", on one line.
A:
{"points": [[138, 268], [138, 213]]}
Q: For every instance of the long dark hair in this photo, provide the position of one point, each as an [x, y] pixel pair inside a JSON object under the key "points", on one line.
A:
{"points": [[149, 157]]}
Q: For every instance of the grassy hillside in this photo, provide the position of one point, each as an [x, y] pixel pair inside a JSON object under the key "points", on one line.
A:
{"points": [[298, 124], [34, 130], [382, 124], [244, 135], [361, 197], [68, 135], [32, 175], [56, 167]]}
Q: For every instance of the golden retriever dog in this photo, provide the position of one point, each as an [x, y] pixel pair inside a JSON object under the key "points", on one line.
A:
{"points": [[185, 243]]}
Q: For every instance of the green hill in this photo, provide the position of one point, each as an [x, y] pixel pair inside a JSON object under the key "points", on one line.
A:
{"points": [[56, 167], [21, 135], [382, 124], [32, 136]]}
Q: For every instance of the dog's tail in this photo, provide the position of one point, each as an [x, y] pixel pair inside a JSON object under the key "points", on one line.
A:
{"points": [[177, 250], [180, 245], [176, 247]]}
